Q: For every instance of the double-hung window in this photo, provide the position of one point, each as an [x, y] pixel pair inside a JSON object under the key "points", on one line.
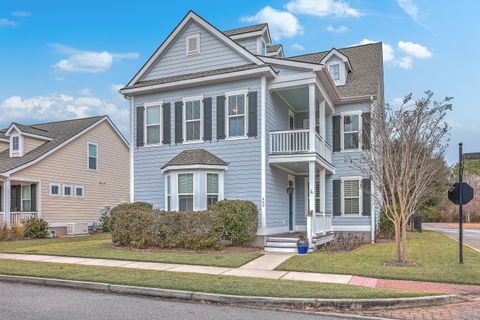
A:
{"points": [[92, 156], [26, 198], [334, 70], [16, 143], [193, 116], [169, 193], [153, 124], [185, 192], [236, 114], [212, 188], [351, 197], [351, 124]]}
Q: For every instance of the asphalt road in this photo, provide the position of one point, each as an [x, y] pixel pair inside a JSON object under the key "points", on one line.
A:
{"points": [[470, 236], [20, 301]]}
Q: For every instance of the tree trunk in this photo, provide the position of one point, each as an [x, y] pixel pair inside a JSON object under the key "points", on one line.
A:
{"points": [[404, 242], [398, 252]]}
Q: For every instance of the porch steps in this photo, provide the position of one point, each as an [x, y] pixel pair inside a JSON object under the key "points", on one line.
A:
{"points": [[281, 244]]}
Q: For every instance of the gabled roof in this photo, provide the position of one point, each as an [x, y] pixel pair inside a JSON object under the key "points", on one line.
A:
{"points": [[195, 157], [367, 63], [3, 137], [274, 48], [335, 52], [61, 132], [29, 130], [192, 16], [247, 29]]}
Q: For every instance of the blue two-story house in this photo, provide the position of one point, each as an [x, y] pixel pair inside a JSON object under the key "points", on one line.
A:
{"points": [[224, 115]]}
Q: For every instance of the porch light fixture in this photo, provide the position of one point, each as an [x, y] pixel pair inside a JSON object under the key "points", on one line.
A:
{"points": [[290, 187]]}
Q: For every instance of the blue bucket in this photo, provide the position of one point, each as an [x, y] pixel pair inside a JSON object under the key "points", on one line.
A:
{"points": [[302, 250]]}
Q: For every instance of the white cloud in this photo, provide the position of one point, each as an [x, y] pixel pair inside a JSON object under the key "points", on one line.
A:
{"points": [[297, 47], [114, 88], [397, 102], [410, 8], [21, 14], [388, 52], [7, 23], [322, 8], [282, 24], [339, 29], [59, 106], [404, 63], [414, 49], [88, 61]]}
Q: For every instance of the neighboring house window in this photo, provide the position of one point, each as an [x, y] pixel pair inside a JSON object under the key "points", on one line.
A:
{"points": [[236, 114], [335, 71], [92, 156], [26, 198], [185, 192], [54, 189], [152, 123], [79, 191], [67, 190], [212, 188], [16, 143], [351, 196], [193, 116], [351, 127], [169, 194], [193, 44]]}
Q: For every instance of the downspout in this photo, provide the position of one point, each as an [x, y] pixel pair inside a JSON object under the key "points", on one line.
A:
{"points": [[263, 146]]}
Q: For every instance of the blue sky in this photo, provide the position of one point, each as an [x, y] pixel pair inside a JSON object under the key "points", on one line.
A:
{"points": [[64, 59]]}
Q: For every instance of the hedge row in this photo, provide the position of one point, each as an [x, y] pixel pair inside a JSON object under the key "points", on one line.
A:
{"points": [[138, 225]]}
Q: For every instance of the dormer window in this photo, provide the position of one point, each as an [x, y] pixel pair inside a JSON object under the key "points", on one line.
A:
{"points": [[334, 70], [16, 143], [193, 44], [338, 65]]}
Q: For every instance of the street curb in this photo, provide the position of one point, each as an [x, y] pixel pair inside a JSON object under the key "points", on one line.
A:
{"points": [[343, 304]]}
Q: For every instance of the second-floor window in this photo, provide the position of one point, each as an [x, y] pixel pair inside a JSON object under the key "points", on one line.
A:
{"points": [[16, 143], [351, 131], [193, 120], [152, 123], [92, 156], [236, 115]]}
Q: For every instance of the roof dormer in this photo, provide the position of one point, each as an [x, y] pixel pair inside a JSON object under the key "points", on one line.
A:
{"points": [[23, 139], [338, 65]]}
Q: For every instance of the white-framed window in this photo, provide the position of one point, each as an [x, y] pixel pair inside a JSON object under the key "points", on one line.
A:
{"points": [[351, 196], [79, 192], [54, 189], [15, 143], [185, 192], [67, 190], [26, 198], [192, 44], [237, 110], [212, 188], [334, 70], [168, 188], [92, 161], [153, 123], [193, 118], [351, 128]]}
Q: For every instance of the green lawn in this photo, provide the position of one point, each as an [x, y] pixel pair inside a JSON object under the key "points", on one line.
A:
{"points": [[98, 246], [195, 282], [436, 256]]}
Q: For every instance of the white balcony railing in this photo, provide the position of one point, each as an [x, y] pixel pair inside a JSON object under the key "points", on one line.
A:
{"points": [[322, 223], [297, 141]]}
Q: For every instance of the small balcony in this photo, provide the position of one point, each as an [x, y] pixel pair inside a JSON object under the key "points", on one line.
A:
{"points": [[296, 142]]}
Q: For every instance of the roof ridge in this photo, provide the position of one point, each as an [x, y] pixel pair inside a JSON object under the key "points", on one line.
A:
{"points": [[249, 26], [68, 120], [326, 51]]}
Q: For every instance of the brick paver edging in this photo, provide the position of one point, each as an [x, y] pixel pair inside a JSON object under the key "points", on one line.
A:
{"points": [[344, 304]]}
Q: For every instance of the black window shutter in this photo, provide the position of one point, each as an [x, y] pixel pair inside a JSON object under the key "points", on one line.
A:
{"points": [[337, 197], [33, 196], [221, 117], [336, 133], [178, 122], [166, 123], [366, 130], [252, 114], [367, 197], [15, 198], [140, 126], [207, 119]]}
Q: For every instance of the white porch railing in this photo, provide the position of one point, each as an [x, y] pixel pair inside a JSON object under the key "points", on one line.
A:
{"points": [[289, 141], [16, 218], [323, 148], [322, 223]]}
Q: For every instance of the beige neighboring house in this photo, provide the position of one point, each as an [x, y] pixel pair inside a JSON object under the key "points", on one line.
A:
{"points": [[64, 172]]}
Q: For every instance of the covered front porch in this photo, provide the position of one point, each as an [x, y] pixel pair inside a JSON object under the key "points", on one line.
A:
{"points": [[19, 200]]}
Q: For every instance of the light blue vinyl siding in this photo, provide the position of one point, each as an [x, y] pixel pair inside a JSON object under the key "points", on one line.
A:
{"points": [[300, 210], [214, 54], [242, 179], [249, 43]]}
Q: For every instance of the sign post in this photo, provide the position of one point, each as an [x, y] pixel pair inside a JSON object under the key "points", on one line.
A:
{"points": [[460, 208]]}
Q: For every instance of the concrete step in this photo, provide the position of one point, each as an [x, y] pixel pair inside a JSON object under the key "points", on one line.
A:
{"points": [[281, 244], [282, 239], [279, 249]]}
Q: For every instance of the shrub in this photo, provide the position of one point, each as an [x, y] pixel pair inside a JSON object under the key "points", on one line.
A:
{"points": [[106, 222], [35, 228], [134, 227], [429, 214], [387, 229], [132, 206], [240, 220]]}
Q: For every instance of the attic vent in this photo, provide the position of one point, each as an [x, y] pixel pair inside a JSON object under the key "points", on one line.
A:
{"points": [[193, 44]]}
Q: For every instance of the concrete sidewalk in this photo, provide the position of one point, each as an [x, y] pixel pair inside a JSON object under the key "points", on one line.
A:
{"points": [[261, 268]]}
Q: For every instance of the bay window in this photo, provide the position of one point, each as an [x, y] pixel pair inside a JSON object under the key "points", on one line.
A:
{"points": [[185, 192], [212, 188]]}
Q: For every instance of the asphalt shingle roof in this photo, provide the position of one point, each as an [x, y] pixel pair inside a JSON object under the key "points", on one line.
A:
{"points": [[195, 156], [367, 65], [274, 48], [33, 130], [59, 131], [247, 29]]}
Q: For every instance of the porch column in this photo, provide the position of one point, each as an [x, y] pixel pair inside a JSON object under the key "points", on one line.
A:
{"points": [[323, 122], [311, 200], [322, 191], [7, 202], [311, 116]]}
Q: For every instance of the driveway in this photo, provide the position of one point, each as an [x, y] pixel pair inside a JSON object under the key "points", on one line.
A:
{"points": [[21, 301], [471, 233]]}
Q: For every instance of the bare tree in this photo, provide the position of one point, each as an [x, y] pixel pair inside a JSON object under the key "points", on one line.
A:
{"points": [[405, 158]]}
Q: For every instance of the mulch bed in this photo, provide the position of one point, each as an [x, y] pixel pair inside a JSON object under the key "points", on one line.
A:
{"points": [[395, 263]]}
